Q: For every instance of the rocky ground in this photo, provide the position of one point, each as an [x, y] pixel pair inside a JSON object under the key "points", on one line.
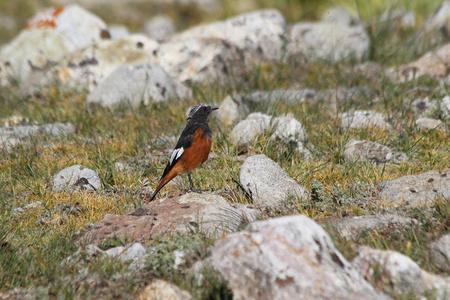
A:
{"points": [[329, 176]]}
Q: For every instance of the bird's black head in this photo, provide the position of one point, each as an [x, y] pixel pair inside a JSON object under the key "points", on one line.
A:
{"points": [[200, 112]]}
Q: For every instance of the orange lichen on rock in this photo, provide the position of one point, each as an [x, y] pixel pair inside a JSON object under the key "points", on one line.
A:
{"points": [[45, 18]]}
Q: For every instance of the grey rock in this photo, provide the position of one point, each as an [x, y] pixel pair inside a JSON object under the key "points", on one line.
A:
{"points": [[200, 60], [417, 190], [74, 177], [290, 97], [287, 258], [441, 253], [398, 275], [159, 28], [267, 183], [233, 109], [363, 119], [138, 84], [160, 289], [259, 34], [350, 228], [118, 31], [135, 251], [337, 15], [325, 41], [361, 151], [11, 136], [428, 123]]}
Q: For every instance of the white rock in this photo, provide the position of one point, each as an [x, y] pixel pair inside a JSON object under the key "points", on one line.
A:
{"points": [[200, 60], [136, 84], [160, 289], [337, 15], [439, 20], [77, 175], [397, 274], [159, 28], [325, 41], [49, 36], [290, 96], [260, 34], [287, 258], [363, 119], [267, 183]]}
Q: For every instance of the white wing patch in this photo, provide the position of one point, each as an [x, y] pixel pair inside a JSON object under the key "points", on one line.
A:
{"points": [[176, 154]]}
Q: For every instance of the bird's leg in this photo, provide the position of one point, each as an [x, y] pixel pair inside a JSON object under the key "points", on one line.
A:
{"points": [[192, 188]]}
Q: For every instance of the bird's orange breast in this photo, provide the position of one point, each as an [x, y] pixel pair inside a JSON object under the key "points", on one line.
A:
{"points": [[198, 152]]}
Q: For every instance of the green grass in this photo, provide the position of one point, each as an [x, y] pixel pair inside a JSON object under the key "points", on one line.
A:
{"points": [[33, 244]]}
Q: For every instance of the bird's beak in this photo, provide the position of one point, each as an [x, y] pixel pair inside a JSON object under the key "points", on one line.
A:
{"points": [[214, 108]]}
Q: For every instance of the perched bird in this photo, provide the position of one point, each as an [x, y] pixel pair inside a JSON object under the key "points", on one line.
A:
{"points": [[192, 148]]}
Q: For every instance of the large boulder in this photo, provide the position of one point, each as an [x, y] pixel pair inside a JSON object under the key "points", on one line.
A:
{"points": [[138, 84], [260, 34], [48, 37], [287, 258], [267, 183]]}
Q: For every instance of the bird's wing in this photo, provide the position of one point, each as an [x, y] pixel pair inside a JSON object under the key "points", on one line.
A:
{"points": [[184, 142]]}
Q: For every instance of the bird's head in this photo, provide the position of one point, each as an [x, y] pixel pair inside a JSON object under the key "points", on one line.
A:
{"points": [[200, 112]]}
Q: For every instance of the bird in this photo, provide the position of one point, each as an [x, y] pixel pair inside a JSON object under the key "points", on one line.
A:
{"points": [[192, 148]]}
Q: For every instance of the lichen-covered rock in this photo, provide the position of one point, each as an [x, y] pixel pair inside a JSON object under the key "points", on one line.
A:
{"points": [[417, 190], [136, 84], [287, 258], [206, 212], [361, 151], [267, 183], [49, 36], [398, 275]]}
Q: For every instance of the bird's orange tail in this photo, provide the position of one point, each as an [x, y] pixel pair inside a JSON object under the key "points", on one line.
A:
{"points": [[172, 174]]}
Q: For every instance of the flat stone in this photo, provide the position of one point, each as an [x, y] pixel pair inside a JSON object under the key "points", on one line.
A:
{"points": [[138, 84], [429, 124], [363, 119], [209, 213], [417, 190]]}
